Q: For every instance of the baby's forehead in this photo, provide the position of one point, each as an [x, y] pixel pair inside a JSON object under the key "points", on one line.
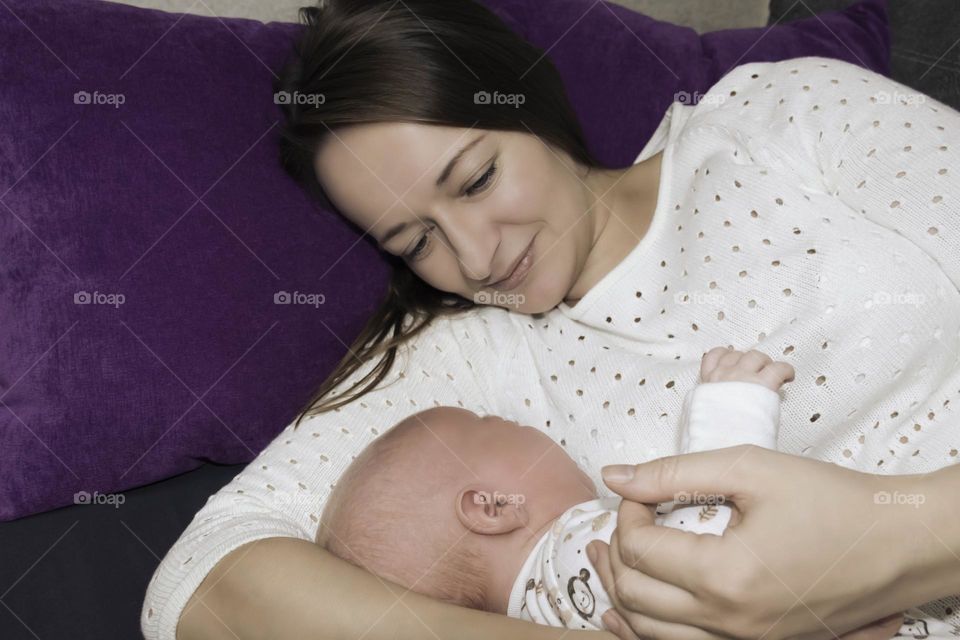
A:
{"points": [[437, 418]]}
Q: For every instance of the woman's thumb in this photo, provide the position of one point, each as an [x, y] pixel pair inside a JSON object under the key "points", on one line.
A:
{"points": [[675, 478]]}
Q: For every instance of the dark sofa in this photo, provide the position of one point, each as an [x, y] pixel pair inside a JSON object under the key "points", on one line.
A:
{"points": [[925, 40]]}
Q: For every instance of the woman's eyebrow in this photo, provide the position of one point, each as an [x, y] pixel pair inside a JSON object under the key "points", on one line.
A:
{"points": [[453, 161]]}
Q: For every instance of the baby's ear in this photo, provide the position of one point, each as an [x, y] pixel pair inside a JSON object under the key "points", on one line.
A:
{"points": [[480, 511]]}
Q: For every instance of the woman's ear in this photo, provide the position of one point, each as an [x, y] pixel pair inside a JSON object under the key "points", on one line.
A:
{"points": [[489, 512]]}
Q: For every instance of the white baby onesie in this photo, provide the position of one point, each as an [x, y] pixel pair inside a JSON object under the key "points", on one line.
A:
{"points": [[559, 586]]}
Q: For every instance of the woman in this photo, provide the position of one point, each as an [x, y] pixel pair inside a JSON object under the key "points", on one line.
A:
{"points": [[533, 283]]}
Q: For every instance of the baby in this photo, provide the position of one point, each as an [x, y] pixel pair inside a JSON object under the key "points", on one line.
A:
{"points": [[487, 514]]}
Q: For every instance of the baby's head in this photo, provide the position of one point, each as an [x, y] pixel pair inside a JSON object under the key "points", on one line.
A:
{"points": [[449, 504]]}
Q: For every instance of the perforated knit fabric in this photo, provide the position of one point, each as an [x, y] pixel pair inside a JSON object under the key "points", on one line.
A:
{"points": [[807, 209]]}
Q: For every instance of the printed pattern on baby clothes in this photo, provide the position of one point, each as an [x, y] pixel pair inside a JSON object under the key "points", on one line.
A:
{"points": [[559, 586]]}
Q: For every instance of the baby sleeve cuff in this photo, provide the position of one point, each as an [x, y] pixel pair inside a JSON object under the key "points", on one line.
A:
{"points": [[726, 414]]}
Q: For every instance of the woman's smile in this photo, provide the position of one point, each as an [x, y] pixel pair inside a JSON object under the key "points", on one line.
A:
{"points": [[519, 272]]}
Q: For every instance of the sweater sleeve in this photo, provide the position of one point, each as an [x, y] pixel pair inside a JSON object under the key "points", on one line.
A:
{"points": [[282, 492], [884, 149]]}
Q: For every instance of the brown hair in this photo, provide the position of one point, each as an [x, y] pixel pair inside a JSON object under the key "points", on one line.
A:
{"points": [[420, 61]]}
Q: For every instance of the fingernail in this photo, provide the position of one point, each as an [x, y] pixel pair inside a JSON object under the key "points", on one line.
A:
{"points": [[610, 621], [592, 553], [617, 473]]}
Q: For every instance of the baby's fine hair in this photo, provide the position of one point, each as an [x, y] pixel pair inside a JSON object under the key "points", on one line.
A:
{"points": [[382, 531]]}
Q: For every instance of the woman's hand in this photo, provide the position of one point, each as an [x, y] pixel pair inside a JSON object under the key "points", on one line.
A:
{"points": [[883, 629], [814, 554]]}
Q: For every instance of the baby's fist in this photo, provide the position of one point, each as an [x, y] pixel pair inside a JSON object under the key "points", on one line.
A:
{"points": [[722, 364]]}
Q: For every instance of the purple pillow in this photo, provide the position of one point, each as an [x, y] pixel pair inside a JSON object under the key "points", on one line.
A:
{"points": [[622, 69], [168, 295]]}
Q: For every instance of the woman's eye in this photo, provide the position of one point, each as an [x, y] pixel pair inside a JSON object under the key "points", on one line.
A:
{"points": [[483, 181], [418, 248], [473, 189]]}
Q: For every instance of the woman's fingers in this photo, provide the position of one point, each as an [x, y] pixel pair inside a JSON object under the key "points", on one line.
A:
{"points": [[629, 624], [880, 630], [633, 590], [613, 622], [641, 627], [883, 629], [714, 472], [673, 556], [616, 625], [848, 571], [670, 556]]}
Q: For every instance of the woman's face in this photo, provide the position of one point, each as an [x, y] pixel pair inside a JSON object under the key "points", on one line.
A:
{"points": [[461, 206]]}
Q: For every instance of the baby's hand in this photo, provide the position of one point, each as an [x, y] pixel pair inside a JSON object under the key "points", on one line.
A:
{"points": [[722, 364]]}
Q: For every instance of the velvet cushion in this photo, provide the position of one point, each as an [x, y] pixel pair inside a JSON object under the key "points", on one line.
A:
{"points": [[149, 237]]}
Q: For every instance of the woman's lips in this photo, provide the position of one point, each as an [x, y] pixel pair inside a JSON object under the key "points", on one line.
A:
{"points": [[519, 272]]}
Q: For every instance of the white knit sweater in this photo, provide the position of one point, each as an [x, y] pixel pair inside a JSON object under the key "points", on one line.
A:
{"points": [[808, 209]]}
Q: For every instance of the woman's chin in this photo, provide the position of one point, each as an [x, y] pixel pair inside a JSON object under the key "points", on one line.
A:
{"points": [[538, 301], [532, 296], [531, 308]]}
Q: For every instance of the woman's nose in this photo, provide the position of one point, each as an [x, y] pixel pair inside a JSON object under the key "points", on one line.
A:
{"points": [[474, 247], [477, 270]]}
